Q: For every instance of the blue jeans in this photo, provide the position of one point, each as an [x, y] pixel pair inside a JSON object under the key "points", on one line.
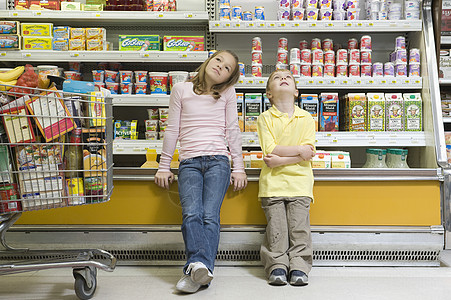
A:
{"points": [[203, 182]]}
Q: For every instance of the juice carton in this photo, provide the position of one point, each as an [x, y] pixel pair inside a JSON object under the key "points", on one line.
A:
{"points": [[322, 160], [329, 112], [247, 160], [266, 103], [413, 111], [239, 106], [257, 160], [253, 108], [309, 103], [394, 113], [376, 112], [355, 112], [340, 160]]}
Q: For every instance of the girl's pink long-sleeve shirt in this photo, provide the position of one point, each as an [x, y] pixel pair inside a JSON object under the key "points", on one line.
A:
{"points": [[202, 125]]}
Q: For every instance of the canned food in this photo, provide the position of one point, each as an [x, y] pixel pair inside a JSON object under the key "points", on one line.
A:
{"points": [[389, 69], [247, 16], [329, 70], [365, 56], [414, 55], [342, 57], [256, 44], [401, 70], [328, 44], [329, 57], [306, 70], [236, 13], [365, 70], [414, 70], [315, 44], [295, 55], [282, 56], [378, 69], [224, 13], [317, 70], [259, 13], [257, 70], [352, 44], [303, 44], [257, 57], [295, 69], [342, 70], [354, 70], [283, 43], [306, 56], [365, 42], [354, 57], [400, 42], [242, 67], [317, 56]]}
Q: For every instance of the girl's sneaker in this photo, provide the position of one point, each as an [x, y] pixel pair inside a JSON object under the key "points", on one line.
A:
{"points": [[187, 285], [298, 278], [278, 277], [199, 273]]}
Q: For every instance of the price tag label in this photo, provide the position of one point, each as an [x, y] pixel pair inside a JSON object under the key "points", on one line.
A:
{"points": [[272, 25], [37, 13], [25, 55], [359, 24], [282, 25], [320, 82], [312, 25], [332, 82], [183, 55], [383, 81], [250, 82], [394, 81], [330, 25], [370, 24], [348, 24], [3, 54], [334, 140], [13, 14], [345, 82], [310, 81], [251, 142], [97, 15], [261, 25], [145, 55], [406, 81], [316, 141], [237, 25], [296, 24], [358, 82], [328, 134], [74, 54], [160, 15], [297, 82], [370, 81], [393, 24], [261, 81], [250, 24], [227, 24], [240, 81], [417, 81], [188, 16], [217, 25]]}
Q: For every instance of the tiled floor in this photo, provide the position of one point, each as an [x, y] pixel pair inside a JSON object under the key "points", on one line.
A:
{"points": [[152, 282]]}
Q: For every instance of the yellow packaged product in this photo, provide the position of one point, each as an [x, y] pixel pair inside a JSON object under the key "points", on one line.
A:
{"points": [[95, 45], [36, 29], [95, 34], [96, 109], [77, 45], [37, 43], [78, 33]]}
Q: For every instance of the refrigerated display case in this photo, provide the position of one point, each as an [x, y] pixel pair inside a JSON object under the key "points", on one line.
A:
{"points": [[360, 216]]}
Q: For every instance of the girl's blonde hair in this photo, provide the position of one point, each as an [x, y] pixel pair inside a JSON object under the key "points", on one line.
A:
{"points": [[199, 83]]}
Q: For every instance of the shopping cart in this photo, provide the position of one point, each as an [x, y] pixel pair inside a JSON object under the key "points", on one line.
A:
{"points": [[55, 151]]}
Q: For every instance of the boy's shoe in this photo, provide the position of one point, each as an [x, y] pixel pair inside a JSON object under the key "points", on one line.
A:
{"points": [[187, 285], [278, 277], [298, 278], [199, 273]]}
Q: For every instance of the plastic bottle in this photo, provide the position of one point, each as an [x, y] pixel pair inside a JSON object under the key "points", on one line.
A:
{"points": [[74, 167], [397, 158], [375, 158]]}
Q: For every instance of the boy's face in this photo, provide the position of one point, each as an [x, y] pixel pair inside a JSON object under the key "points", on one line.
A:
{"points": [[282, 83]]}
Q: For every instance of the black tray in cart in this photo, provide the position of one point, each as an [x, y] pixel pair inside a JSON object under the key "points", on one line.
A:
{"points": [[55, 151]]}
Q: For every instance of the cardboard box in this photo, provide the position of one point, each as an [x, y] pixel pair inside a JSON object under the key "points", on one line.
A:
{"points": [[355, 112], [18, 125], [10, 42], [96, 109], [36, 29], [322, 160], [183, 43], [253, 108], [340, 160], [95, 45], [9, 27], [394, 112], [38, 161], [94, 153], [42, 200], [78, 33], [95, 34], [77, 45], [62, 32], [376, 112], [9, 198], [139, 43], [329, 112], [125, 130], [37, 43], [309, 103]]}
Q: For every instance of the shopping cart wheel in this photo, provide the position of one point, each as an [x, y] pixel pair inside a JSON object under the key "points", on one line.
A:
{"points": [[85, 282]]}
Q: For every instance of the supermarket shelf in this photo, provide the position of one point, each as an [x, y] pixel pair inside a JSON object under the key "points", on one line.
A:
{"points": [[444, 81], [355, 174], [317, 26], [98, 56], [356, 139], [107, 17], [324, 139], [340, 82], [445, 39], [140, 100], [446, 119]]}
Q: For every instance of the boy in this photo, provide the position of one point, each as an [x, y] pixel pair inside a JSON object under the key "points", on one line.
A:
{"points": [[287, 137]]}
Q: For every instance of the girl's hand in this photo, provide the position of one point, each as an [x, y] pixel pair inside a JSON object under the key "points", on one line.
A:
{"points": [[307, 152], [239, 181], [163, 178], [272, 160]]}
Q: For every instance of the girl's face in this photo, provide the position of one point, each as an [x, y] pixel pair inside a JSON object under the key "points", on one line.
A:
{"points": [[220, 68]]}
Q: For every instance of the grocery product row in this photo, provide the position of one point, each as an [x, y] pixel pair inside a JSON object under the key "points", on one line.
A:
{"points": [[155, 126], [324, 58], [45, 36], [313, 10], [97, 5]]}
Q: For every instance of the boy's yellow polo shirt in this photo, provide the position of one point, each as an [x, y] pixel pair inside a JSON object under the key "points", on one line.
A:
{"points": [[276, 128]]}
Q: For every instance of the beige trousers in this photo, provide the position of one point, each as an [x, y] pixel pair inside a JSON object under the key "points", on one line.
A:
{"points": [[288, 241]]}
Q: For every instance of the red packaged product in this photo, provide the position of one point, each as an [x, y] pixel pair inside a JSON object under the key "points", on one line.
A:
{"points": [[328, 44], [354, 56], [353, 44], [8, 195], [329, 70], [365, 56], [282, 57], [365, 42], [342, 57], [306, 56], [317, 56], [257, 57], [365, 70], [303, 44], [283, 44], [23, 3], [342, 71], [354, 70], [315, 44], [47, 4], [329, 57], [295, 69], [306, 70], [317, 70]]}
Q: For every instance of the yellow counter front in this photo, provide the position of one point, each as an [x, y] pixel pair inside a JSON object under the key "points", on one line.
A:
{"points": [[358, 203]]}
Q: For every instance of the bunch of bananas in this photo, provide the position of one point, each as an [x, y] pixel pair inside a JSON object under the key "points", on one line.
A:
{"points": [[9, 78]]}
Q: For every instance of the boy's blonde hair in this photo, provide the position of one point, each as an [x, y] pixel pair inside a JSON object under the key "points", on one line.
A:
{"points": [[270, 78], [199, 82]]}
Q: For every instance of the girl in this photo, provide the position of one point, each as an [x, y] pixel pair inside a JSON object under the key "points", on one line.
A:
{"points": [[202, 116]]}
